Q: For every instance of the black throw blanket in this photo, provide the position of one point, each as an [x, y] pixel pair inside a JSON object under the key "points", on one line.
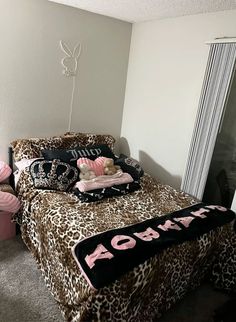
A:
{"points": [[104, 257]]}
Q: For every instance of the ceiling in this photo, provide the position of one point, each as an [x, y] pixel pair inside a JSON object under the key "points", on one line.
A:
{"points": [[143, 10]]}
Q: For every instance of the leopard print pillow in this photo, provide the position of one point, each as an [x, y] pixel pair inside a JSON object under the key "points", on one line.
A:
{"points": [[92, 139], [32, 148]]}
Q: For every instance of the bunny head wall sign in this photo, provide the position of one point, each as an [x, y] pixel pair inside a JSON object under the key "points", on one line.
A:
{"points": [[70, 62]]}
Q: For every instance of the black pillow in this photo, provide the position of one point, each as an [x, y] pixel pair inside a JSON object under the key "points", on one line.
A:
{"points": [[130, 165], [53, 175], [71, 155]]}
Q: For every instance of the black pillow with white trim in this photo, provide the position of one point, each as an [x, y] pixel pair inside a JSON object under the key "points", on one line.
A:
{"points": [[72, 155], [130, 166]]}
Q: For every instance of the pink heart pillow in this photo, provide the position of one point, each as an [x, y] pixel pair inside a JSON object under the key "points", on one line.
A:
{"points": [[96, 165], [5, 171]]}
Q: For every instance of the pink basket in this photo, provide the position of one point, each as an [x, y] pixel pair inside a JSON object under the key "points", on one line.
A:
{"points": [[7, 228]]}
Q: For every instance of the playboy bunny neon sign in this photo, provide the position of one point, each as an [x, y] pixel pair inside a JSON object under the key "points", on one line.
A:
{"points": [[70, 62]]}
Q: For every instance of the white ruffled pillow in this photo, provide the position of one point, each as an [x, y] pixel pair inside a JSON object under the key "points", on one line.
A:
{"points": [[24, 163]]}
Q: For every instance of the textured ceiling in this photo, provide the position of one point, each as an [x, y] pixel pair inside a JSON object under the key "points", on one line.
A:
{"points": [[143, 10]]}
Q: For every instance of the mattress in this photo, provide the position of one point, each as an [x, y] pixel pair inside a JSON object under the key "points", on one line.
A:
{"points": [[53, 222]]}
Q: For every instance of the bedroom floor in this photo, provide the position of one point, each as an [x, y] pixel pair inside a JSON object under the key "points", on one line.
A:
{"points": [[24, 297]]}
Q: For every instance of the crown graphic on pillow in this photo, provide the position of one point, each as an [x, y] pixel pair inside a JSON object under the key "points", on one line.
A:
{"points": [[54, 175]]}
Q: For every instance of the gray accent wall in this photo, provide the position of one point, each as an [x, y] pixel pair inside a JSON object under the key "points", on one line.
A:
{"points": [[35, 95]]}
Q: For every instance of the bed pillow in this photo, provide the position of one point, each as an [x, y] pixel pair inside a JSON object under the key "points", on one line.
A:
{"points": [[32, 148], [53, 175], [24, 163], [130, 165], [72, 155], [86, 139]]}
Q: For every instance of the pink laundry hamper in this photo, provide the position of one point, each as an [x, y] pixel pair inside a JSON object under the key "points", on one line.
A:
{"points": [[7, 228]]}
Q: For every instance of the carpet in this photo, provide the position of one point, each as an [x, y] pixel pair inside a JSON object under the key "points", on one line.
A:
{"points": [[25, 298], [23, 294]]}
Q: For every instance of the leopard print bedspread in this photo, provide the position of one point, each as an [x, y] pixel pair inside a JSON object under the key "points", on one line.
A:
{"points": [[52, 222]]}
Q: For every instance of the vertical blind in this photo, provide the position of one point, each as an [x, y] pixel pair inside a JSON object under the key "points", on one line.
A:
{"points": [[216, 84]]}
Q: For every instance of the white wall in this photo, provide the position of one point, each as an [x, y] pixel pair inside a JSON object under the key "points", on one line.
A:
{"points": [[165, 74], [34, 95]]}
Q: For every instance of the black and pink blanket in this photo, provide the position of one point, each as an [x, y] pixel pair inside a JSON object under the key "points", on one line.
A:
{"points": [[104, 257]]}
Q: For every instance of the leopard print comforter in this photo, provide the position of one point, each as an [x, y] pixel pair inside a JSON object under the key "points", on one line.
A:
{"points": [[52, 222]]}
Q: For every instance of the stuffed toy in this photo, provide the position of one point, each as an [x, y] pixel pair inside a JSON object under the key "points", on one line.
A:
{"points": [[97, 166], [8, 202], [85, 172], [109, 167]]}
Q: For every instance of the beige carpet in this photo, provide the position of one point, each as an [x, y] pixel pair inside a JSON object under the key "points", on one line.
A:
{"points": [[24, 297]]}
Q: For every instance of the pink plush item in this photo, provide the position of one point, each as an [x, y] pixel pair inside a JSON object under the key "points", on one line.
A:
{"points": [[9, 202], [5, 171], [96, 165]]}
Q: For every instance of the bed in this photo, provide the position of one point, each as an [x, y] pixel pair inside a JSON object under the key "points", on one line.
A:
{"points": [[52, 222]]}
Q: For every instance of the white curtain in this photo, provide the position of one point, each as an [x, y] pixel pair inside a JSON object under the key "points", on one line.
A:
{"points": [[217, 80]]}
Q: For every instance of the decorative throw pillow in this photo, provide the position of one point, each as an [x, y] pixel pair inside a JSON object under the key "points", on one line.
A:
{"points": [[53, 175], [9, 202], [97, 165], [72, 155], [130, 165], [5, 171]]}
